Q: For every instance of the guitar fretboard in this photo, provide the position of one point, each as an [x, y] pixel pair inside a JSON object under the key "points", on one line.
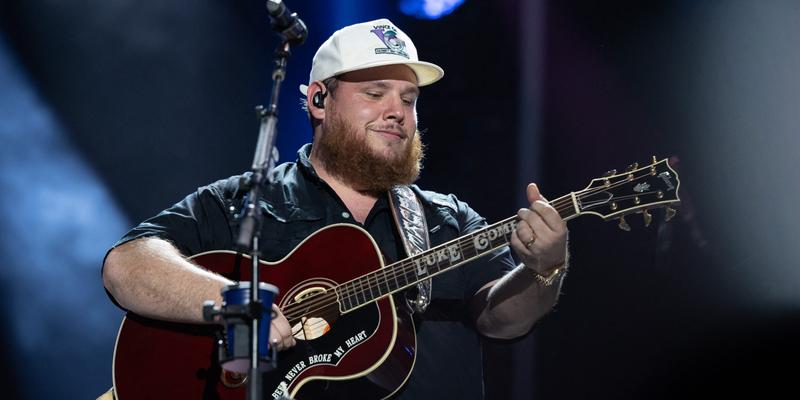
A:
{"points": [[408, 272]]}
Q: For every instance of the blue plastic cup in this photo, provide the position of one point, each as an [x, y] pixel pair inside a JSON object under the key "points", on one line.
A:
{"points": [[237, 346]]}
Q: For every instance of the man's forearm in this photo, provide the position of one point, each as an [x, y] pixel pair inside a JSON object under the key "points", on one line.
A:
{"points": [[511, 305], [151, 278]]}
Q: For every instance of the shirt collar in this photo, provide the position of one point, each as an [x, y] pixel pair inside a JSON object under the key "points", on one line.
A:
{"points": [[304, 161]]}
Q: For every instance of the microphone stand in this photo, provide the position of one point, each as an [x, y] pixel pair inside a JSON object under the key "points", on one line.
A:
{"points": [[249, 231], [292, 31]]}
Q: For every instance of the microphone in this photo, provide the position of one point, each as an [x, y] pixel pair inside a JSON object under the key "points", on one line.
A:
{"points": [[286, 22]]}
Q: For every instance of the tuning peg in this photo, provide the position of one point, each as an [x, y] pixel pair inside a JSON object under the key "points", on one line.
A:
{"points": [[670, 213], [647, 218], [632, 167], [623, 224], [610, 173], [655, 160]]}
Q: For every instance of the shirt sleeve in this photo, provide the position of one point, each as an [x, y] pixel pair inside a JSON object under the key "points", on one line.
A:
{"points": [[196, 224]]}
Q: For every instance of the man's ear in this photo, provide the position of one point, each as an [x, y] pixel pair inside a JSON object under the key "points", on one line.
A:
{"points": [[315, 99]]}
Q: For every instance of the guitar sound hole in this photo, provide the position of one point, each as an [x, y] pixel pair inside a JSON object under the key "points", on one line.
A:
{"points": [[313, 313]]}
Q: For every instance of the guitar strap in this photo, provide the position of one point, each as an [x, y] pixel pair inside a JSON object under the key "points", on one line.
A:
{"points": [[410, 221]]}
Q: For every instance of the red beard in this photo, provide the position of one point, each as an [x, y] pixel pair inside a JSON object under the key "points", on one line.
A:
{"points": [[348, 157]]}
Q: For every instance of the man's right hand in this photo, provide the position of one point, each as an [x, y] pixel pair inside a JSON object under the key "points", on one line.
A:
{"points": [[280, 333]]}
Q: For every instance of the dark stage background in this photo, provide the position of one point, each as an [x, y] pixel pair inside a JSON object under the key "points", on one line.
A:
{"points": [[112, 110]]}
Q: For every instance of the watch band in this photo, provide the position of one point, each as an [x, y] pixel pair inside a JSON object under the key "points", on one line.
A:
{"points": [[549, 279]]}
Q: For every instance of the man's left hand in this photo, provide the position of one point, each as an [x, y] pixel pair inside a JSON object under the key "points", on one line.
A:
{"points": [[540, 240]]}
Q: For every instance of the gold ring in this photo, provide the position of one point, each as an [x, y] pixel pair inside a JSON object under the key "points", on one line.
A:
{"points": [[530, 242]]}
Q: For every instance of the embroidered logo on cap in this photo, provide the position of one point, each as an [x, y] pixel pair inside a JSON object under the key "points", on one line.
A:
{"points": [[388, 35]]}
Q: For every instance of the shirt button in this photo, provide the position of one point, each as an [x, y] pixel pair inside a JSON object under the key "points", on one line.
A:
{"points": [[345, 214]]}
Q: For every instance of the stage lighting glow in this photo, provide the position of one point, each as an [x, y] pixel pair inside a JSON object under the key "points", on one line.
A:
{"points": [[57, 220], [744, 110], [429, 9]]}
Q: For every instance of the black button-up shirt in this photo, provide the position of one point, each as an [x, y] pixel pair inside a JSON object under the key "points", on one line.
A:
{"points": [[297, 203]]}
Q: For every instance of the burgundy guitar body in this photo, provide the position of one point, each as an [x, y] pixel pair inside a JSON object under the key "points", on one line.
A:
{"points": [[368, 352]]}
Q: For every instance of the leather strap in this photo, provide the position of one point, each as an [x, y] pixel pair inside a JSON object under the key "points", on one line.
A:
{"points": [[410, 221]]}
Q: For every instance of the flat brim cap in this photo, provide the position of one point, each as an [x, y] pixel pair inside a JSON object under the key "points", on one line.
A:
{"points": [[367, 45]]}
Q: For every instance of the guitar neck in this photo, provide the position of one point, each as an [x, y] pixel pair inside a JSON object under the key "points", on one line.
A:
{"points": [[444, 257], [612, 196]]}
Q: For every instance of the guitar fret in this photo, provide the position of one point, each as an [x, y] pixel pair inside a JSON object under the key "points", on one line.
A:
{"points": [[444, 260], [345, 296], [379, 284], [375, 284], [394, 273], [365, 289], [471, 245], [467, 251], [415, 268], [435, 267], [405, 276], [369, 287], [463, 245], [390, 280], [350, 294], [350, 298], [360, 291], [410, 272], [383, 284]]}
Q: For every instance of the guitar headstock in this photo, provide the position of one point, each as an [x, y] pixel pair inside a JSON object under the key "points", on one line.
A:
{"points": [[638, 189]]}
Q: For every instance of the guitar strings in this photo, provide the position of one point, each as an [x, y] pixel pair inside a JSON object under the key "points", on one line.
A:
{"points": [[358, 285], [355, 288], [323, 302], [326, 300]]}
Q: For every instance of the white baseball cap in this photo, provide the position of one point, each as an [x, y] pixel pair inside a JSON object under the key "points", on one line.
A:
{"points": [[366, 45]]}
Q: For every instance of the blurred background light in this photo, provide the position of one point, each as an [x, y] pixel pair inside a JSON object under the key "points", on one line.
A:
{"points": [[429, 9], [58, 220]]}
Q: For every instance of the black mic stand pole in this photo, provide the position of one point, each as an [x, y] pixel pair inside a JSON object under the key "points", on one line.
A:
{"points": [[250, 227]]}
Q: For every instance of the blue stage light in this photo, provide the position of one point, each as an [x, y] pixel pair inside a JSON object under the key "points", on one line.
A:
{"points": [[429, 9], [57, 221]]}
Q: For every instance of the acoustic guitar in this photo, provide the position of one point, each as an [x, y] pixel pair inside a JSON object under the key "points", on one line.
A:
{"points": [[352, 336]]}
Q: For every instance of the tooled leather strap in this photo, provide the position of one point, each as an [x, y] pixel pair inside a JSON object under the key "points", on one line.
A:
{"points": [[410, 221]]}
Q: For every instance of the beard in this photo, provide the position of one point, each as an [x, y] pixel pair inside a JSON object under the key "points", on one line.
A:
{"points": [[348, 157]]}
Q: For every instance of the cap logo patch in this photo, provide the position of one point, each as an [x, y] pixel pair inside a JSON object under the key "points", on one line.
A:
{"points": [[388, 35]]}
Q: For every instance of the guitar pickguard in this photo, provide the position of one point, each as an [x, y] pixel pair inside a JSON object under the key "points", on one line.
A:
{"points": [[310, 359]]}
